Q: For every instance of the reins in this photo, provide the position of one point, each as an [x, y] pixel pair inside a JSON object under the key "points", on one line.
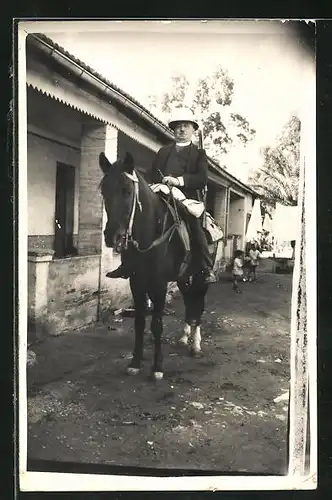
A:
{"points": [[167, 235]]}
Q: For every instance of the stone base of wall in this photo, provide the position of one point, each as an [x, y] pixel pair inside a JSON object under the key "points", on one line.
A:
{"points": [[38, 328], [78, 295], [45, 242], [75, 297]]}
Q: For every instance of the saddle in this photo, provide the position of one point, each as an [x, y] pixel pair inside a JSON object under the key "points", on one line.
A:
{"points": [[212, 231], [196, 208], [182, 228]]}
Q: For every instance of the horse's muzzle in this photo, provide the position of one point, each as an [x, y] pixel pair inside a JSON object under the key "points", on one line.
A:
{"points": [[119, 243], [116, 241]]}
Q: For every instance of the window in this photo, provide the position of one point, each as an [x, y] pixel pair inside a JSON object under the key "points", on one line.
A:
{"points": [[64, 211]]}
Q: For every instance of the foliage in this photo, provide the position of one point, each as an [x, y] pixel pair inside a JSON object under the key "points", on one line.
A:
{"points": [[277, 180], [210, 98]]}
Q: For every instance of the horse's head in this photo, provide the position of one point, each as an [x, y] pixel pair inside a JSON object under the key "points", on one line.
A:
{"points": [[118, 193]]}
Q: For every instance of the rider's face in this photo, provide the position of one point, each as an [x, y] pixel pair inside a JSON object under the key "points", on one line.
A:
{"points": [[183, 131]]}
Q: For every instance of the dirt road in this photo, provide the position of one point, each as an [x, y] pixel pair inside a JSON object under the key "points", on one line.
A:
{"points": [[216, 412]]}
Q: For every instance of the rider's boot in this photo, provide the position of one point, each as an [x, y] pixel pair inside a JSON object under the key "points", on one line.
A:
{"points": [[122, 271]]}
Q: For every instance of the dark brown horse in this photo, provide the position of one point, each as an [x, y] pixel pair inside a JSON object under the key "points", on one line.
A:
{"points": [[137, 215]]}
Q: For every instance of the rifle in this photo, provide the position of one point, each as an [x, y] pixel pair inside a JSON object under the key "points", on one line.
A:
{"points": [[201, 146]]}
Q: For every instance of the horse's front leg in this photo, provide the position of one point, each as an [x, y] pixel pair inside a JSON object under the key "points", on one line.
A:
{"points": [[139, 298], [158, 298]]}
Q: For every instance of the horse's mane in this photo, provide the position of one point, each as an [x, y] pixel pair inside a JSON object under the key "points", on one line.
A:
{"points": [[144, 183], [100, 185]]}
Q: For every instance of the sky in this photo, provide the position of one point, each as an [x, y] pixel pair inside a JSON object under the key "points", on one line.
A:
{"points": [[264, 59]]}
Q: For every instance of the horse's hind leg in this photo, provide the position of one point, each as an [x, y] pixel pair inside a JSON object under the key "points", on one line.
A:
{"points": [[196, 345], [158, 297], [185, 337], [198, 308], [139, 297]]}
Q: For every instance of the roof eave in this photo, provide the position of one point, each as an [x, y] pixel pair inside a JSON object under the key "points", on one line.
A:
{"points": [[231, 178], [101, 86], [82, 72]]}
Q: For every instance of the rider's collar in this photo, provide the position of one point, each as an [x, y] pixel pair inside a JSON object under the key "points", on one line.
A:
{"points": [[182, 144]]}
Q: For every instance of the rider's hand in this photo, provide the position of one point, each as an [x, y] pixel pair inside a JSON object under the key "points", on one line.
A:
{"points": [[171, 181]]}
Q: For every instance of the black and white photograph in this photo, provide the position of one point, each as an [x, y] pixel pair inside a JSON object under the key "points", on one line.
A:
{"points": [[167, 255]]}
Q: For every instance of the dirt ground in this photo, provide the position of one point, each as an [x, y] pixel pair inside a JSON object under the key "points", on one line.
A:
{"points": [[216, 412]]}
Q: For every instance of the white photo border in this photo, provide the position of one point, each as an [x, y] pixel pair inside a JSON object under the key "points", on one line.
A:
{"points": [[296, 478]]}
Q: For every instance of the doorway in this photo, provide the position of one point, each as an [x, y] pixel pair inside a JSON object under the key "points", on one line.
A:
{"points": [[64, 210]]}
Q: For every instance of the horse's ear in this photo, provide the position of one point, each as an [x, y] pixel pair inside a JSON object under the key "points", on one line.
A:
{"points": [[128, 163], [104, 164]]}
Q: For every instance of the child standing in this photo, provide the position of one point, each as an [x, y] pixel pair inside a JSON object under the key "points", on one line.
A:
{"points": [[237, 270], [254, 255]]}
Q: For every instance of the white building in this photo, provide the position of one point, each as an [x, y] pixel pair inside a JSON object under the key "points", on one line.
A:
{"points": [[73, 114]]}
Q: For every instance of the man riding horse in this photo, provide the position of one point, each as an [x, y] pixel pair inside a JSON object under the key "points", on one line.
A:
{"points": [[183, 165]]}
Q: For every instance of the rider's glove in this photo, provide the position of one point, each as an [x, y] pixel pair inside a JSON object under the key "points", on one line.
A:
{"points": [[172, 181]]}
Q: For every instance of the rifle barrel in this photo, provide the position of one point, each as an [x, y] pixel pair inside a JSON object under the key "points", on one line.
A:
{"points": [[201, 146]]}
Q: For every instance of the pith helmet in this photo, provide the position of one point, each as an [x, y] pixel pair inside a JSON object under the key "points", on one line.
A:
{"points": [[182, 115]]}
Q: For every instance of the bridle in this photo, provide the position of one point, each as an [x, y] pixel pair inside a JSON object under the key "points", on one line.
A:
{"points": [[136, 202], [128, 236]]}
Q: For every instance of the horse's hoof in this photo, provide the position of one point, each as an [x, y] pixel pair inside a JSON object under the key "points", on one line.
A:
{"points": [[183, 342], [158, 375], [133, 371], [195, 353]]}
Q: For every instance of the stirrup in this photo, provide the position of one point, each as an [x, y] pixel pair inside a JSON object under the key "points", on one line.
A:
{"points": [[209, 276]]}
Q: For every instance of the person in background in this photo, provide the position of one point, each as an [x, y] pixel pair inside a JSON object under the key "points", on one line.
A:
{"points": [[237, 270], [254, 255], [246, 264]]}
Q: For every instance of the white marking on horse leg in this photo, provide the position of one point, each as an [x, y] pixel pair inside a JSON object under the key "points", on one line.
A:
{"points": [[158, 375], [186, 334], [132, 371], [197, 339]]}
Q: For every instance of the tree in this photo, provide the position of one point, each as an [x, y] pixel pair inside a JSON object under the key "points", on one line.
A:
{"points": [[210, 99], [278, 179]]}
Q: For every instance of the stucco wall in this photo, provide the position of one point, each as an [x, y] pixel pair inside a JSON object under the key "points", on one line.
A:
{"points": [[248, 203], [43, 155], [236, 216]]}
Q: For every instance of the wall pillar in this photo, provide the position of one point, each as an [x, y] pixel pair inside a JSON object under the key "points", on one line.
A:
{"points": [[220, 207], [221, 210], [38, 267], [94, 140]]}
